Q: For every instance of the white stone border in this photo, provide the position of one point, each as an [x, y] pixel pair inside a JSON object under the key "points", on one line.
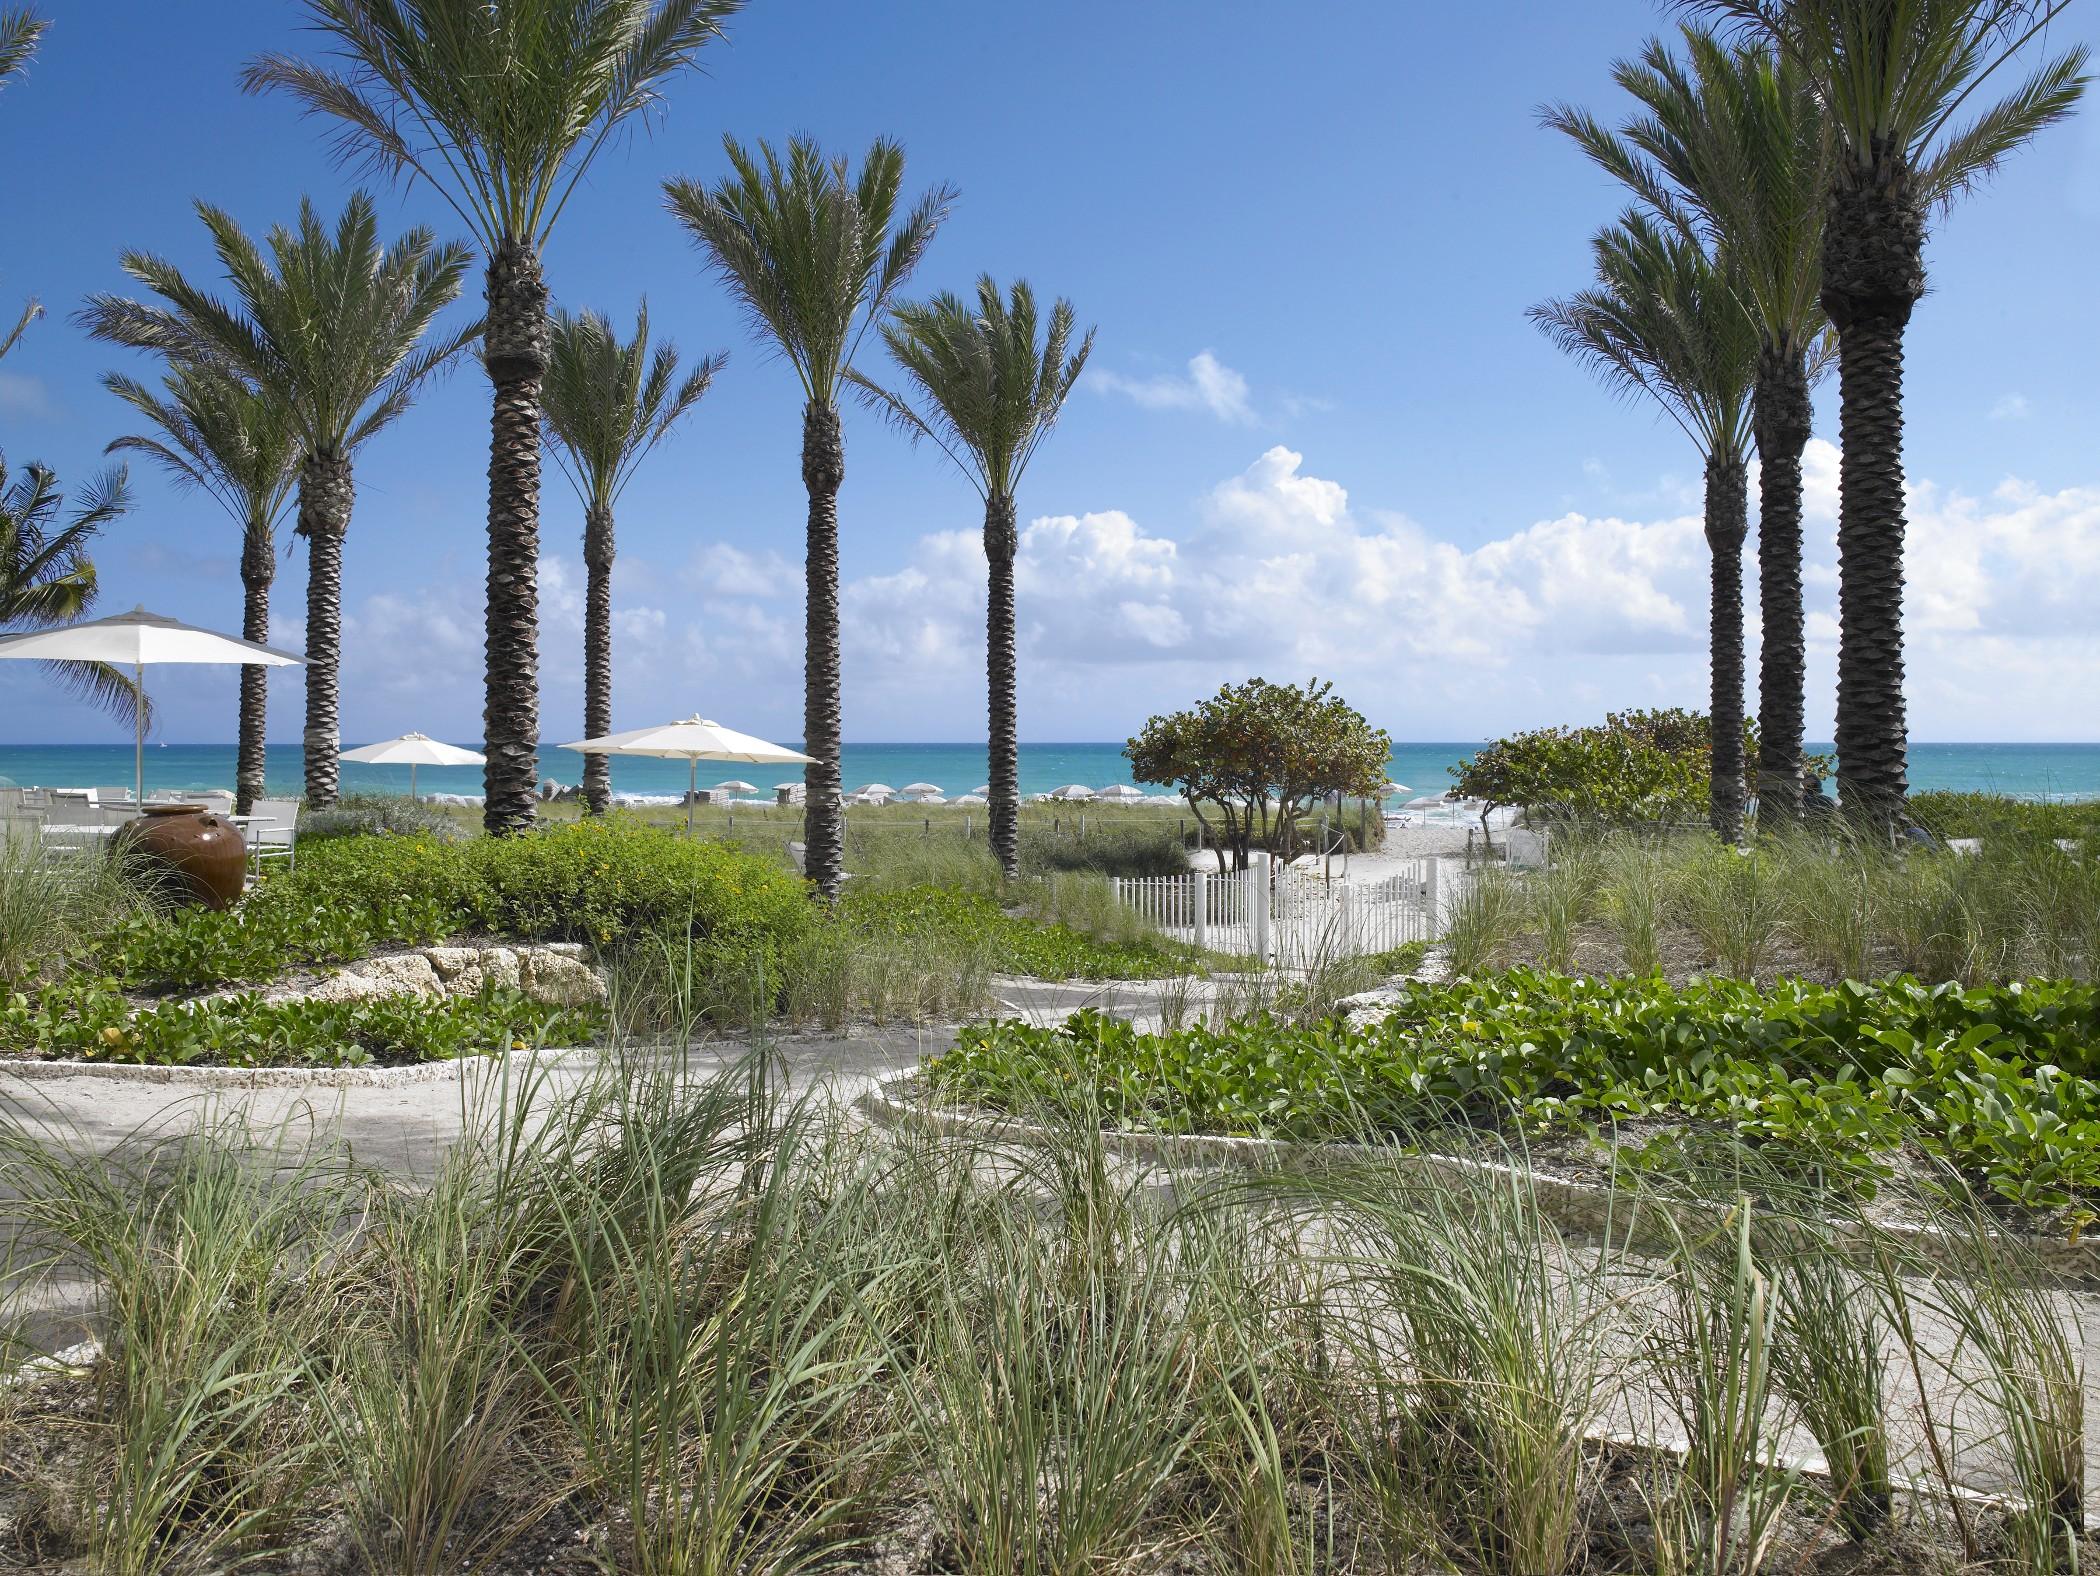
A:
{"points": [[901, 1102], [215, 1077]]}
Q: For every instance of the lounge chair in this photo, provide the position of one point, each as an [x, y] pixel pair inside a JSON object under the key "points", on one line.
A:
{"points": [[272, 830]]}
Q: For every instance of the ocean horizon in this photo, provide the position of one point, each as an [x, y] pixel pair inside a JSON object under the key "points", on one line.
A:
{"points": [[2025, 771]]}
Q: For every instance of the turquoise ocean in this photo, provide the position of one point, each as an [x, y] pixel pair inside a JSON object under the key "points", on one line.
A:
{"points": [[2028, 771]]}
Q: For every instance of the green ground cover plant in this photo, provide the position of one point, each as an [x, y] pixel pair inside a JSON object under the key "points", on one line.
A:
{"points": [[2002, 1082], [89, 1020]]}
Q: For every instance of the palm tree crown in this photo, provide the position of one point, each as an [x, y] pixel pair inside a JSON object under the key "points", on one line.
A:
{"points": [[608, 403], [1895, 76], [329, 326], [20, 28], [46, 575], [991, 382], [218, 434], [501, 105], [1663, 320], [1729, 144], [813, 255]]}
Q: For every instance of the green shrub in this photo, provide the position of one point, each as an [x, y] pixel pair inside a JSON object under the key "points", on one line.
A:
{"points": [[372, 815], [602, 883], [2004, 1081]]}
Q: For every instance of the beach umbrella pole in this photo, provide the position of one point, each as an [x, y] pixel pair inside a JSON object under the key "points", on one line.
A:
{"points": [[138, 754], [411, 782], [692, 786]]}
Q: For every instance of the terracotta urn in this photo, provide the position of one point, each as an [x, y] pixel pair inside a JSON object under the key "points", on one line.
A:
{"points": [[197, 856]]}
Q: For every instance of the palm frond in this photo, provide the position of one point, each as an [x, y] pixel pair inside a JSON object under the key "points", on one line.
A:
{"points": [[47, 575], [30, 313], [102, 685], [20, 28]]}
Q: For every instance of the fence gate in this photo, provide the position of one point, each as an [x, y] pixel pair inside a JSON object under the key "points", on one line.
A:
{"points": [[1287, 917]]}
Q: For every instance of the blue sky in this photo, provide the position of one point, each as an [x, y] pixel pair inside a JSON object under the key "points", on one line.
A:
{"points": [[1320, 437]]}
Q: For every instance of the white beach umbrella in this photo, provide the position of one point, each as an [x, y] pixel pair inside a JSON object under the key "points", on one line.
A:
{"points": [[1123, 793], [413, 750], [1392, 788], [876, 788], [968, 798], [917, 788], [136, 640], [736, 785], [694, 740], [1072, 791], [982, 790]]}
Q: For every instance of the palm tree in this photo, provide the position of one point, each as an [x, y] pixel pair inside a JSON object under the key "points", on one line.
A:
{"points": [[1665, 321], [607, 406], [1730, 145], [815, 256], [501, 105], [990, 389], [46, 576], [329, 331], [216, 432], [1892, 76]]}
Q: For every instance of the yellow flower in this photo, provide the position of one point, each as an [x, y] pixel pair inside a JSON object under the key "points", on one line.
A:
{"points": [[1470, 1025], [517, 1045], [112, 1035]]}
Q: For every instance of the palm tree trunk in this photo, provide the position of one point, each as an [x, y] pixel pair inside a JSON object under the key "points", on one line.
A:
{"points": [[1783, 426], [1873, 273], [1001, 542], [515, 345], [1727, 522], [597, 651], [326, 495], [823, 470], [258, 569]]}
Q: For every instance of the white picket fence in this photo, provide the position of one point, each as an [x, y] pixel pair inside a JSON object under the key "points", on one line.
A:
{"points": [[1289, 918]]}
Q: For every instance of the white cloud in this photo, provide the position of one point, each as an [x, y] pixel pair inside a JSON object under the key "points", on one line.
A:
{"points": [[2010, 407], [1280, 571], [719, 569], [1208, 385], [24, 396]]}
